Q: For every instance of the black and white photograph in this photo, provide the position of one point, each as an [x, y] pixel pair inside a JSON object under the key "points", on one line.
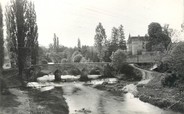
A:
{"points": [[91, 56]]}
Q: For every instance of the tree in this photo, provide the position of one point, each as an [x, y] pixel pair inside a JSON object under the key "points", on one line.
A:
{"points": [[21, 32], [121, 38], [176, 61], [100, 39], [159, 38], [1, 40], [79, 44], [114, 40], [55, 42], [32, 35], [118, 59], [77, 58]]}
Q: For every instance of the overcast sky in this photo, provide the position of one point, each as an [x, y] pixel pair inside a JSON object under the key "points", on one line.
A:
{"points": [[73, 19]]}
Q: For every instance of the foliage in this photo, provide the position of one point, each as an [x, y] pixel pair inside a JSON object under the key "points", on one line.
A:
{"points": [[90, 53], [64, 60], [173, 62], [44, 61], [74, 71], [79, 44], [130, 72], [55, 44], [116, 42], [22, 33], [77, 58], [95, 71], [121, 38], [153, 29], [1, 39], [75, 53], [83, 60], [108, 71], [118, 59], [100, 39], [169, 80], [159, 38], [177, 59]]}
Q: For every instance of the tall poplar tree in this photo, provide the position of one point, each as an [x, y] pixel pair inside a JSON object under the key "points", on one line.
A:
{"points": [[1, 39], [100, 40], [121, 38], [21, 33]]}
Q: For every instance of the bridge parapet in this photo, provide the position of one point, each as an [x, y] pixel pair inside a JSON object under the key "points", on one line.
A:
{"points": [[66, 66], [144, 58]]}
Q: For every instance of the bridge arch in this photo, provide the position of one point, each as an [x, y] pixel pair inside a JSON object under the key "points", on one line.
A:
{"points": [[68, 67]]}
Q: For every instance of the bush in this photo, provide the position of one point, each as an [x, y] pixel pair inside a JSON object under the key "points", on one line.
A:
{"points": [[173, 63], [44, 62], [83, 60], [65, 72], [108, 71], [169, 80], [95, 71], [130, 73], [118, 59], [74, 71], [177, 59], [77, 58], [64, 60]]}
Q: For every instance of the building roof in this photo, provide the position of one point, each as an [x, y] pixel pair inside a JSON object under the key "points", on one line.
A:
{"points": [[137, 38]]}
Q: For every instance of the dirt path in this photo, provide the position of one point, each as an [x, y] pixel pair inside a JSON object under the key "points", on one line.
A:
{"points": [[146, 77]]}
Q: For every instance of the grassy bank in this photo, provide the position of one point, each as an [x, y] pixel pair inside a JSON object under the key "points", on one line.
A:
{"points": [[49, 102], [23, 101], [163, 97]]}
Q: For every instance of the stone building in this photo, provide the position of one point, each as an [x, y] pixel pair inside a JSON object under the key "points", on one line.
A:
{"points": [[136, 45]]}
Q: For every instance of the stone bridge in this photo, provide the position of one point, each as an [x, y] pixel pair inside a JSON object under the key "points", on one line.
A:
{"points": [[68, 67]]}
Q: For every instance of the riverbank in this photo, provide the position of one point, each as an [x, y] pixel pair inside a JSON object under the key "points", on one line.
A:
{"points": [[30, 101], [167, 98], [151, 91]]}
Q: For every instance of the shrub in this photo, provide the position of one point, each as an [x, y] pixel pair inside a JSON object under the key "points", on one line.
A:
{"points": [[65, 72], [108, 71], [169, 80], [177, 59], [44, 62], [64, 60], [74, 71], [173, 63], [83, 60], [77, 58], [130, 73], [95, 71], [118, 59]]}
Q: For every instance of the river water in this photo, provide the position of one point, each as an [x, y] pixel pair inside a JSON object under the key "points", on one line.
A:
{"points": [[83, 99], [87, 100]]}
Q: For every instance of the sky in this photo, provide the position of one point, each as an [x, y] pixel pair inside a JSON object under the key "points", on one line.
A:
{"points": [[73, 19]]}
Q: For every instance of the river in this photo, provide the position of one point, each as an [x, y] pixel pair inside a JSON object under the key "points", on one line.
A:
{"points": [[83, 99]]}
